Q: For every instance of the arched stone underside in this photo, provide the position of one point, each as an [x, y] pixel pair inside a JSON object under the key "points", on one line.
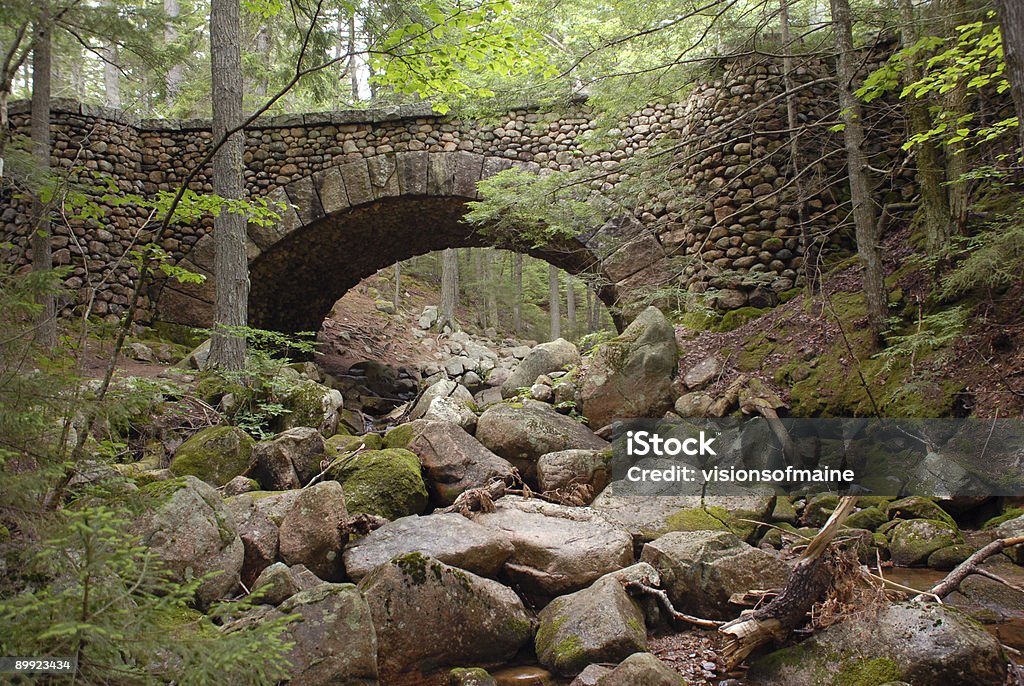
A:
{"points": [[346, 223]]}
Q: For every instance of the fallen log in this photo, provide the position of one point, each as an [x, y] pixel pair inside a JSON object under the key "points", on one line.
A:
{"points": [[807, 584], [969, 566]]}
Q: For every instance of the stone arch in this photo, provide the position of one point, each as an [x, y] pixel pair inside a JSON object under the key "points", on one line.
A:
{"points": [[347, 222]]}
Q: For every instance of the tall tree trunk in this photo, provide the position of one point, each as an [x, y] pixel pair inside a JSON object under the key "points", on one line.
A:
{"points": [[262, 83], [490, 288], [812, 244], [517, 293], [111, 77], [930, 171], [554, 302], [955, 105], [449, 289], [175, 75], [230, 263], [864, 216], [353, 63], [397, 299], [42, 255], [477, 287], [589, 314], [1011, 24], [570, 305]]}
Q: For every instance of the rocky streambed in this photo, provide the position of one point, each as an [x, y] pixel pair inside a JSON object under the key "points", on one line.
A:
{"points": [[401, 568]]}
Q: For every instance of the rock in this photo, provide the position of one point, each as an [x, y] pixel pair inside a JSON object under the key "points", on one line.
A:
{"points": [[631, 375], [258, 518], [198, 357], [1011, 529], [472, 380], [869, 518], [642, 668], [990, 601], [601, 623], [498, 376], [309, 532], [913, 540], [470, 676], [522, 434], [557, 549], [279, 582], [542, 393], [590, 675], [918, 507], [819, 508], [140, 352], [313, 405], [428, 318], [444, 409], [240, 485], [949, 557], [444, 388], [289, 460], [694, 404], [446, 537], [386, 483], [430, 617], [193, 533], [453, 461], [925, 644], [565, 467], [333, 637], [216, 454], [703, 373], [700, 570], [542, 359]]}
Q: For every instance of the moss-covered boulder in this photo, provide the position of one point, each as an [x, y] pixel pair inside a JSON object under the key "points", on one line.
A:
{"points": [[922, 644], [918, 507], [311, 404], [385, 482], [819, 508], [695, 519], [869, 518], [216, 455], [470, 676], [399, 436], [341, 445], [913, 540]]}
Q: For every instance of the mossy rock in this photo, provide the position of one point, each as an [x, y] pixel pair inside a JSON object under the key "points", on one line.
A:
{"points": [[819, 508], [918, 507], [694, 519], [699, 320], [384, 482], [1012, 513], [786, 296], [310, 404], [340, 445], [470, 676], [912, 541], [399, 436], [869, 518], [784, 511], [216, 455], [734, 319], [949, 557]]}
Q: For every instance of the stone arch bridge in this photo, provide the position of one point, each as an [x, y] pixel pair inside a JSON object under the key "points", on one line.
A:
{"points": [[368, 188]]}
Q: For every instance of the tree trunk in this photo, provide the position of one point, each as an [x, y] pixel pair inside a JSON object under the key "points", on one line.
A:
{"points": [[570, 306], [397, 299], [1011, 24], [175, 75], [262, 84], [353, 63], [590, 310], [517, 294], [477, 287], [867, 229], [930, 172], [491, 288], [42, 255], [449, 289], [955, 104], [111, 77], [554, 302], [230, 264]]}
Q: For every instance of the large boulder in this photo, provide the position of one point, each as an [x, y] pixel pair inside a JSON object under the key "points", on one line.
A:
{"points": [[446, 537], [430, 616], [215, 454], [310, 532], [332, 638], [279, 582], [386, 483], [558, 549], [912, 541], [313, 405], [258, 516], [445, 388], [192, 532], [701, 570], [522, 434], [631, 375], [451, 410], [565, 468], [601, 623], [925, 644], [542, 359], [453, 461], [289, 460], [642, 668]]}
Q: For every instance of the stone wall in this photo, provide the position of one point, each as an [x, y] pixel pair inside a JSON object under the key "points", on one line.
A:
{"points": [[723, 217]]}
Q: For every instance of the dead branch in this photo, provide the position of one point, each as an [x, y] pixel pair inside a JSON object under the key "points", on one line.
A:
{"points": [[478, 499], [361, 524], [809, 581], [969, 566], [636, 587]]}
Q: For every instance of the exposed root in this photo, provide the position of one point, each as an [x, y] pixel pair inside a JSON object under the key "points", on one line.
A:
{"points": [[636, 587]]}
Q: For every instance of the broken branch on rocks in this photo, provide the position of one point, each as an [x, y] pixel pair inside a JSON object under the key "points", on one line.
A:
{"points": [[970, 566]]}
